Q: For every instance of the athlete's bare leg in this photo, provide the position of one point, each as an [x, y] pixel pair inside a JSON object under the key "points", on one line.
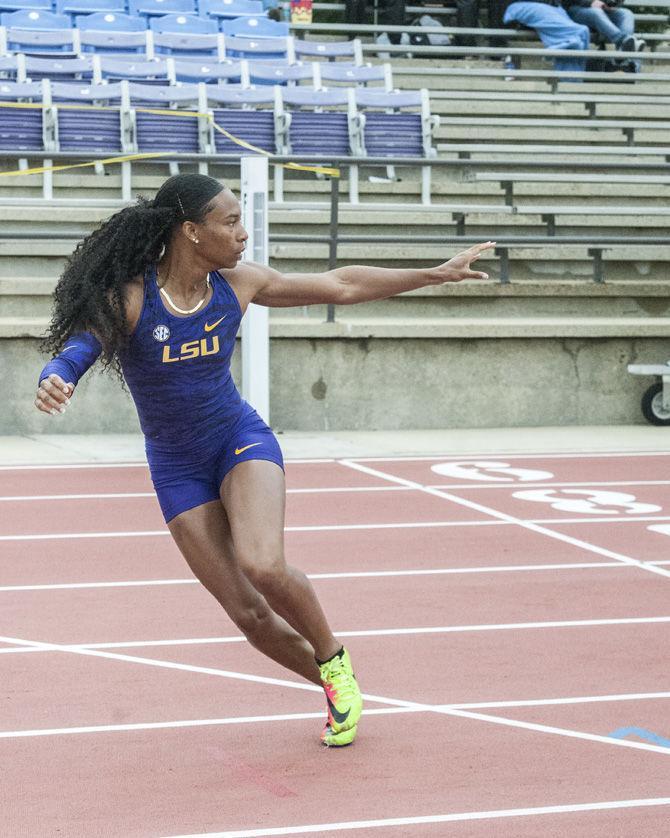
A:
{"points": [[253, 495], [203, 537]]}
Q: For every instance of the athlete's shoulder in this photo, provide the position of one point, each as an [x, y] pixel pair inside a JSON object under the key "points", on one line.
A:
{"points": [[247, 279]]}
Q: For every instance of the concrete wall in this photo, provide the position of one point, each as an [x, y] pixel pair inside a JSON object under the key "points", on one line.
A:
{"points": [[386, 383]]}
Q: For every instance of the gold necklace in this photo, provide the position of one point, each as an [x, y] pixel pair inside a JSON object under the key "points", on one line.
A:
{"points": [[183, 310]]}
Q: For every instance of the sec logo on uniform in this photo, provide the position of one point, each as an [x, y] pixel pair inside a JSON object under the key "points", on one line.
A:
{"points": [[161, 333]]}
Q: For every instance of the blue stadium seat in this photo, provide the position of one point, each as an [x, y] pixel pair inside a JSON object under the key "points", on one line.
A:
{"points": [[43, 41], [98, 131], [84, 7], [150, 8], [275, 48], [117, 69], [21, 129], [92, 94], [394, 122], [229, 9], [309, 129], [156, 132], [17, 5], [243, 116], [280, 72], [113, 42], [213, 72], [187, 44], [183, 23], [35, 19], [110, 22], [57, 68], [351, 74], [254, 27], [331, 50]]}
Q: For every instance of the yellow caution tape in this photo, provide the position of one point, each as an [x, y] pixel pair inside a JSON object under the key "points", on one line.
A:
{"points": [[325, 170]]}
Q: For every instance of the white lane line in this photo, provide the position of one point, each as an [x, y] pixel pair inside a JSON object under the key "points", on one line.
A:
{"points": [[122, 495], [389, 632], [68, 586], [380, 711], [348, 489], [487, 522], [389, 823], [287, 717], [363, 574], [89, 496], [70, 466], [566, 455], [67, 535], [232, 720], [517, 484], [558, 702], [539, 728], [392, 702], [203, 670], [511, 519]]}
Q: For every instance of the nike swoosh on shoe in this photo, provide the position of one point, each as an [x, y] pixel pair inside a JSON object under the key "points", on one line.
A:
{"points": [[338, 717]]}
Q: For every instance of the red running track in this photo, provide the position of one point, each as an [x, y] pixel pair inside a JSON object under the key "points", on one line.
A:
{"points": [[507, 616]]}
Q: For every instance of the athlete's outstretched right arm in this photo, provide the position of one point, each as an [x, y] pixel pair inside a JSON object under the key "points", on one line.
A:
{"points": [[61, 375]]}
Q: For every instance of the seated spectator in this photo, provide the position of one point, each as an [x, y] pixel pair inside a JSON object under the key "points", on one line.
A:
{"points": [[391, 13], [555, 28], [467, 16], [614, 23]]}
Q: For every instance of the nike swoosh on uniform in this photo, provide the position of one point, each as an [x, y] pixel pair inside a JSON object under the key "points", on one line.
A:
{"points": [[340, 718], [209, 328], [239, 451]]}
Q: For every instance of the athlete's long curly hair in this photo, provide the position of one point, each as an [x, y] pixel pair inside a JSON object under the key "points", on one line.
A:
{"points": [[89, 295]]}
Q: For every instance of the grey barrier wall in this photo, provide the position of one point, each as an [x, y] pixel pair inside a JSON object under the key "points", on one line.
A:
{"points": [[369, 383]]}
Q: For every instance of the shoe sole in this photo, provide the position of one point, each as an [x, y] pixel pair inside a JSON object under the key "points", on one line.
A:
{"points": [[339, 740]]}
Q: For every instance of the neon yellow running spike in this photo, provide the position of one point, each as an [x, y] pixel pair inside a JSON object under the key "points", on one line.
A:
{"points": [[344, 698], [337, 740]]}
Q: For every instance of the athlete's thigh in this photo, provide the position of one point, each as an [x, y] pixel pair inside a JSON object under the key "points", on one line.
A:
{"points": [[254, 497], [204, 539]]}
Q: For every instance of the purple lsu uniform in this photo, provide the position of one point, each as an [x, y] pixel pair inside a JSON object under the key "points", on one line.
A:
{"points": [[196, 425]]}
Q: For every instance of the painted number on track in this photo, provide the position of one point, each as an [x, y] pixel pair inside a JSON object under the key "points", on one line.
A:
{"points": [[588, 501], [490, 472], [664, 529]]}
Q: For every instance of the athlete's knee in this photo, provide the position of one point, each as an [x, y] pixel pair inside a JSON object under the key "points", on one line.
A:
{"points": [[266, 571]]}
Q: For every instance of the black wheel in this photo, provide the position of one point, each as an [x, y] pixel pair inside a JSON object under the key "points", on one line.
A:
{"points": [[652, 405]]}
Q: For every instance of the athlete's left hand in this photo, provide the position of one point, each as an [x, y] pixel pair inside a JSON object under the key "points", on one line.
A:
{"points": [[458, 267]]}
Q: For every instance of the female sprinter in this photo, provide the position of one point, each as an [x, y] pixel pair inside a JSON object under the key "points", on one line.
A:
{"points": [[159, 291]]}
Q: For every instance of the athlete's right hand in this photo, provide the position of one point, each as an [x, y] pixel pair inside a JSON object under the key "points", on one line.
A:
{"points": [[53, 395]]}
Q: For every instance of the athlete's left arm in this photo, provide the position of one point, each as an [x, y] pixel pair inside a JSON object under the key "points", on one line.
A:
{"points": [[354, 283]]}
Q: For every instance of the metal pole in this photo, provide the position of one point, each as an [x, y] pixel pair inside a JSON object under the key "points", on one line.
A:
{"points": [[332, 246], [255, 325]]}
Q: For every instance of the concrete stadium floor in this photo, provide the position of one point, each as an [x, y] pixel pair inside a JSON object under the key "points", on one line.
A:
{"points": [[73, 448]]}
